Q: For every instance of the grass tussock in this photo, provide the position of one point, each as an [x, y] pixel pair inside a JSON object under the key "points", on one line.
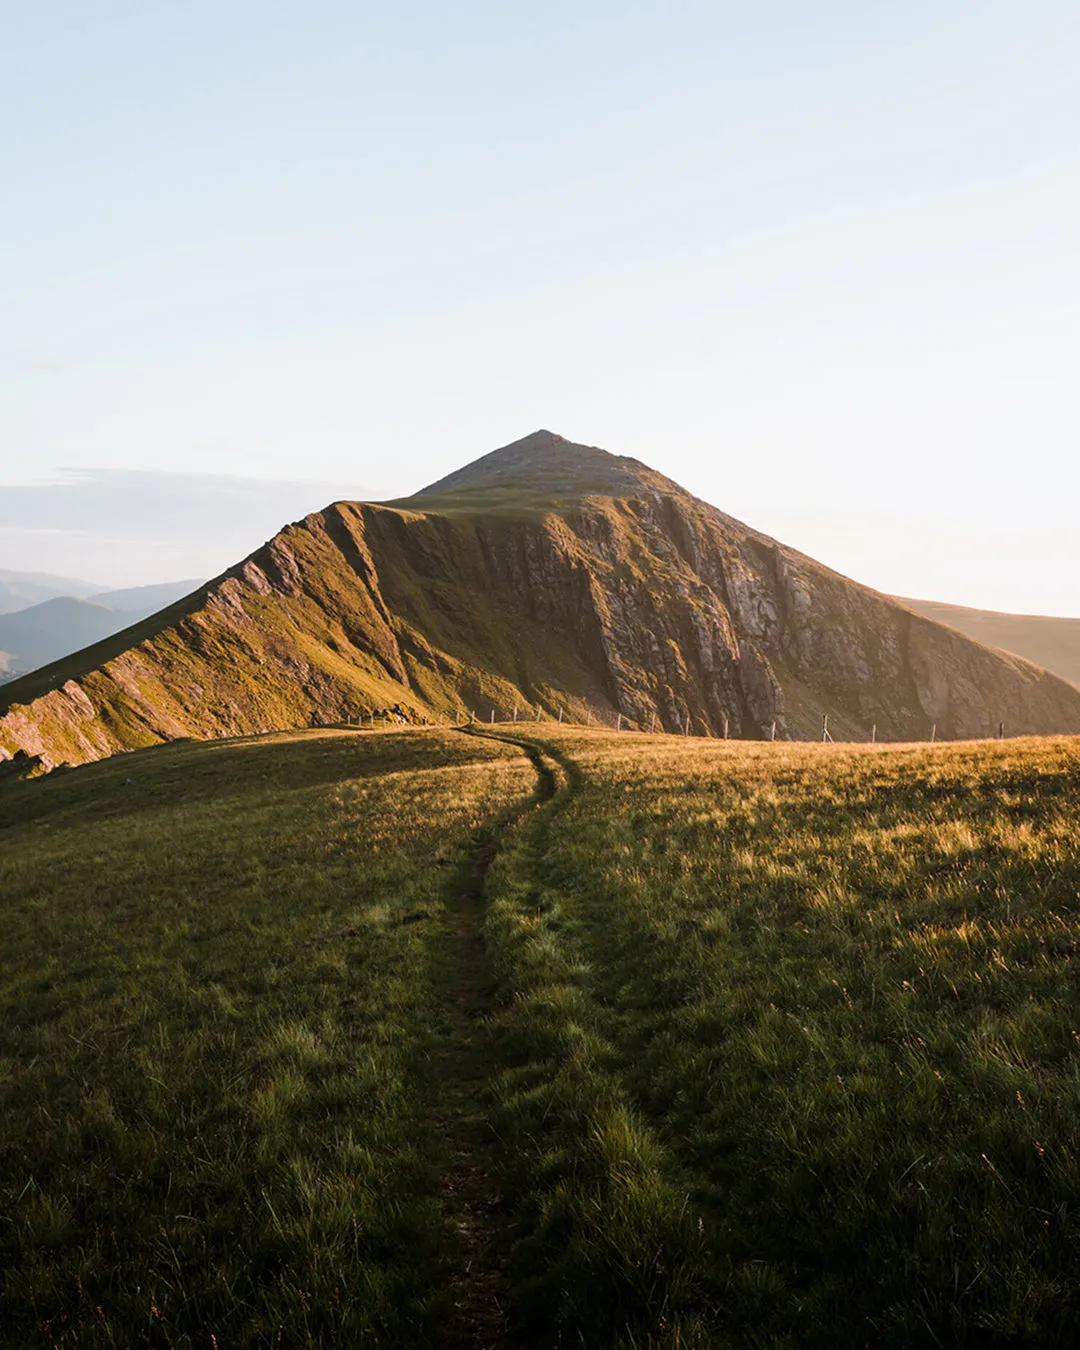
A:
{"points": [[792, 1043], [783, 1044], [217, 1004]]}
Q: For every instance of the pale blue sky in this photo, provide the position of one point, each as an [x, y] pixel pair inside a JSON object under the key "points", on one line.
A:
{"points": [[816, 262]]}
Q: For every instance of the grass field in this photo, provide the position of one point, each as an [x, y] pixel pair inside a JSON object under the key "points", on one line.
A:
{"points": [[799, 1061], [764, 1045], [220, 988]]}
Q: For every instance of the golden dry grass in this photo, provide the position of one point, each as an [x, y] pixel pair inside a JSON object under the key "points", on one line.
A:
{"points": [[800, 1026]]}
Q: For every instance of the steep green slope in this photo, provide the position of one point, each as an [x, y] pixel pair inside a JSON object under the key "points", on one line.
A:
{"points": [[547, 576]]}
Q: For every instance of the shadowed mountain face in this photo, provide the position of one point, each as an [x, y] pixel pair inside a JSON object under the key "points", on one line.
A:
{"points": [[545, 575]]}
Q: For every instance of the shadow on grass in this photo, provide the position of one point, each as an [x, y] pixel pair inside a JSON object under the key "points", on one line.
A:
{"points": [[182, 772]]}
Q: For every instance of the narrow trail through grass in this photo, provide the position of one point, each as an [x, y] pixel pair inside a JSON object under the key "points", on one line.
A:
{"points": [[470, 1195], [606, 1248], [480, 1038], [222, 980]]}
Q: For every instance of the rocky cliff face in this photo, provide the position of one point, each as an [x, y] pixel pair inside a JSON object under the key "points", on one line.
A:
{"points": [[545, 576]]}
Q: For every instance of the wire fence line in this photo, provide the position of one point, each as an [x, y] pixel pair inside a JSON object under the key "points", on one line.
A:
{"points": [[598, 721], [687, 727]]}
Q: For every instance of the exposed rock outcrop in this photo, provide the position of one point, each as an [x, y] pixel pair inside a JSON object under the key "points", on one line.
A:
{"points": [[544, 575]]}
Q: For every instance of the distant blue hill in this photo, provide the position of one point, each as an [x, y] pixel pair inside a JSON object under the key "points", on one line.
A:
{"points": [[19, 590], [39, 633]]}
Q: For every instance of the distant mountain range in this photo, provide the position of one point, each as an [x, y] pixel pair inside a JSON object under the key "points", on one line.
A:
{"points": [[41, 632], [546, 577], [20, 589], [1049, 642]]}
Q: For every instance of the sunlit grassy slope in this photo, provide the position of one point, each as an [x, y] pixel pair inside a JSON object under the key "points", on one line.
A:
{"points": [[219, 991], [1053, 643], [791, 1044], [782, 1048]]}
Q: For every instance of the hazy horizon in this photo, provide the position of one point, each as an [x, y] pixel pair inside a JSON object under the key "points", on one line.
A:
{"points": [[140, 527], [817, 265]]}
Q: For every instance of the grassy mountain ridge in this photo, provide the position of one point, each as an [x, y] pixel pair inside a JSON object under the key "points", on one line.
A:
{"points": [[600, 590], [1050, 642]]}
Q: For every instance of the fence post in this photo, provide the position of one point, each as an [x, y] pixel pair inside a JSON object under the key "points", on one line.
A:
{"points": [[772, 731], [933, 733], [652, 724], [493, 717], [588, 717], [726, 724], [618, 724], [873, 734], [1001, 731], [560, 717], [824, 727]]}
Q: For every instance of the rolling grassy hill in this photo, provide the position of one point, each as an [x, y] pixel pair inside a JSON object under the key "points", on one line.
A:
{"points": [[427, 1037], [1049, 642], [546, 576]]}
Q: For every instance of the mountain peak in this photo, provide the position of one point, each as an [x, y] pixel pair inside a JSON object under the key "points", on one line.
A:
{"points": [[549, 576], [546, 462]]}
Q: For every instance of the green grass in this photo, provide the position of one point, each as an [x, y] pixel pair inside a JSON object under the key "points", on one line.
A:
{"points": [[219, 992], [791, 1045], [605, 1244], [781, 1043]]}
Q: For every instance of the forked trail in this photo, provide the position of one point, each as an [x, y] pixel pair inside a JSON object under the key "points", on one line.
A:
{"points": [[469, 1190]]}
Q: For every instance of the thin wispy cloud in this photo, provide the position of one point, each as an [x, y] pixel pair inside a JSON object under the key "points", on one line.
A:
{"points": [[132, 527]]}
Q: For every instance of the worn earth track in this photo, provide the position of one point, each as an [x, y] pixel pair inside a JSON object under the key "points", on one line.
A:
{"points": [[475, 1214]]}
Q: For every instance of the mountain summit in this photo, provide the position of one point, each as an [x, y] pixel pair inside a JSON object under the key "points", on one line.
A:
{"points": [[545, 462], [545, 577]]}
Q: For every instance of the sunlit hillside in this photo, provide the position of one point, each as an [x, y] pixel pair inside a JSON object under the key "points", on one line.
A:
{"points": [[541, 1036], [1053, 643], [548, 577]]}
